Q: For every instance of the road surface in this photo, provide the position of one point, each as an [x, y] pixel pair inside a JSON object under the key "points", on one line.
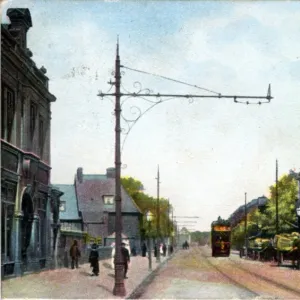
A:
{"points": [[195, 274]]}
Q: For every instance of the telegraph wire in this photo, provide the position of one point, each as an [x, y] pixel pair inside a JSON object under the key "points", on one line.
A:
{"points": [[171, 79]]}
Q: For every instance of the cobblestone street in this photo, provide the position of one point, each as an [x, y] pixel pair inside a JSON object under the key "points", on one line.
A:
{"points": [[78, 283]]}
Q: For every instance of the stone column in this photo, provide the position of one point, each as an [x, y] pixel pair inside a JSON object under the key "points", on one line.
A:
{"points": [[17, 243], [34, 251], [49, 237]]}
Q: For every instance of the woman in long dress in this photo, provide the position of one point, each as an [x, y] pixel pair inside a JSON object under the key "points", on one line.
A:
{"points": [[113, 251]]}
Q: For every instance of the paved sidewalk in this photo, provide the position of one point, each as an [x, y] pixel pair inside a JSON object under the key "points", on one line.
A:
{"points": [[78, 283]]}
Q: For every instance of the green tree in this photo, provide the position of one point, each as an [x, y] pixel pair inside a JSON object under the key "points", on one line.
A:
{"points": [[202, 238], [147, 203], [287, 194], [238, 235]]}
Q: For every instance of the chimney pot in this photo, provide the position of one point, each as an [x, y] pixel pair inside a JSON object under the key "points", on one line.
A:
{"points": [[111, 173], [80, 175]]}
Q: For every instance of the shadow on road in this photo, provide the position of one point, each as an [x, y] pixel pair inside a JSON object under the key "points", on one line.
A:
{"points": [[85, 273], [105, 288], [106, 265]]}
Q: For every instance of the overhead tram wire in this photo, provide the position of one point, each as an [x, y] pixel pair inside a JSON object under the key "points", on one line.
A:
{"points": [[171, 79]]}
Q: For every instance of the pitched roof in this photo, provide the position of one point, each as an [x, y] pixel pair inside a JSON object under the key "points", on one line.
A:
{"points": [[93, 176], [91, 192], [93, 216], [69, 196]]}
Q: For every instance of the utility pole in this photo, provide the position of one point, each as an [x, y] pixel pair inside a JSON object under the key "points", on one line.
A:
{"points": [[168, 227], [276, 197], [246, 244], [158, 219], [119, 288], [173, 231]]}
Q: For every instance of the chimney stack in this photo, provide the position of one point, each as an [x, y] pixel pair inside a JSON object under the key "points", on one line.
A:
{"points": [[20, 19], [80, 175], [111, 173]]}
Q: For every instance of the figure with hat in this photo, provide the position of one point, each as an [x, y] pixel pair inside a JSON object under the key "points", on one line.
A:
{"points": [[94, 259], [125, 258]]}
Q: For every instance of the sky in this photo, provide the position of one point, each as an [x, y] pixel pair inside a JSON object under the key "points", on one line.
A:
{"points": [[211, 151]]}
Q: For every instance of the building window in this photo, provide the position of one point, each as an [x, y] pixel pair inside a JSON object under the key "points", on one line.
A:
{"points": [[108, 200], [7, 113], [7, 215], [33, 111], [62, 206], [41, 135]]}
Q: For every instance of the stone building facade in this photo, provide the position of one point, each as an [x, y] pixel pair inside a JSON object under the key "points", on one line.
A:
{"points": [[29, 206]]}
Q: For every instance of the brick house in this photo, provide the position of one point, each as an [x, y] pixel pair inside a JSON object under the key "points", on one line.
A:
{"points": [[29, 205], [94, 197]]}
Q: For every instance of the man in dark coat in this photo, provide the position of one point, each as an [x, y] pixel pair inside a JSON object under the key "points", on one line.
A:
{"points": [[155, 250], [144, 250], [164, 248], [125, 258], [75, 254], [94, 259]]}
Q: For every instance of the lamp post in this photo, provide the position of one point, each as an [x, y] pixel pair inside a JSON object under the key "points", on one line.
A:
{"points": [[149, 218], [158, 220], [168, 228], [276, 198], [119, 287], [246, 225]]}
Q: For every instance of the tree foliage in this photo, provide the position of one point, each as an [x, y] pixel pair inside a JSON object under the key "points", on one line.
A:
{"points": [[147, 203], [287, 194], [264, 220], [202, 238]]}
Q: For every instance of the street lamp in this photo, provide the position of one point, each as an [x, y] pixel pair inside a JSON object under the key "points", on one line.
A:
{"points": [[149, 217], [246, 241], [119, 287], [158, 241]]}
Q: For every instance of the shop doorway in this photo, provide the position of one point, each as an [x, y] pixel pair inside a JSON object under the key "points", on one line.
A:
{"points": [[26, 227]]}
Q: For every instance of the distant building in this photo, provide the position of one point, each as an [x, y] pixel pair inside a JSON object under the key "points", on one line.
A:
{"points": [[89, 206], [29, 206]]}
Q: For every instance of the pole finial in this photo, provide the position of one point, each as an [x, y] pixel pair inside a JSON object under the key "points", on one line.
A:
{"points": [[269, 97], [117, 45]]}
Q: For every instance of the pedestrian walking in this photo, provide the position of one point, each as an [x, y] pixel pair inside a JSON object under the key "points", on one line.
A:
{"points": [[155, 250], [126, 259], [94, 259], [133, 251], [164, 248], [75, 254], [144, 249], [113, 252]]}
